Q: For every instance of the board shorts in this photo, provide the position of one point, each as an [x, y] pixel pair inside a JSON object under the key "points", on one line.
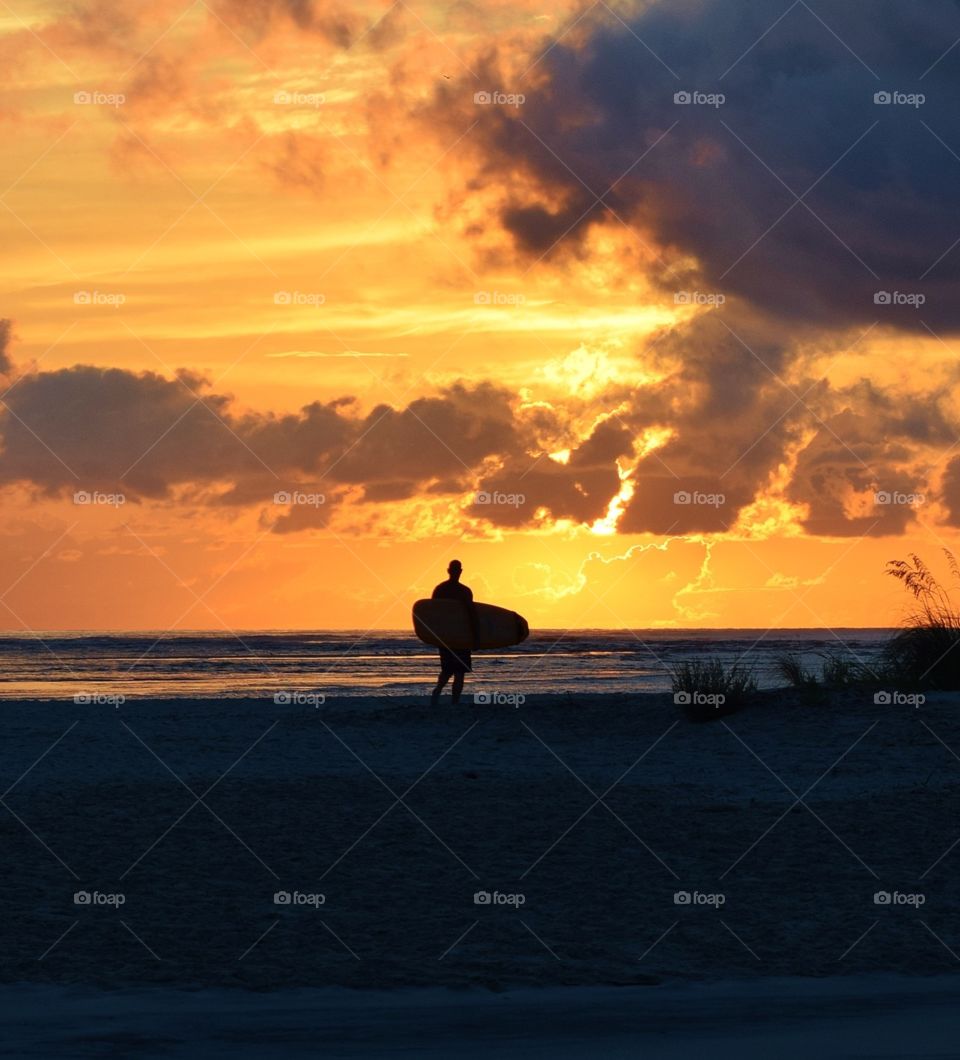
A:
{"points": [[457, 662]]}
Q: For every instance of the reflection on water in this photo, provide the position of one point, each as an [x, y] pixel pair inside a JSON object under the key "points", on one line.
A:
{"points": [[198, 665]]}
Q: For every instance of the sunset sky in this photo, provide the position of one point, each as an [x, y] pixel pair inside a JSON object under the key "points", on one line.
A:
{"points": [[505, 281]]}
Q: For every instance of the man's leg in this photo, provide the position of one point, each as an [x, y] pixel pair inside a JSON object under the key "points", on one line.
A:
{"points": [[457, 686], [441, 681]]}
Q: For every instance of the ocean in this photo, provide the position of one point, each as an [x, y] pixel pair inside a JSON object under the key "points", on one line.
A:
{"points": [[392, 663]]}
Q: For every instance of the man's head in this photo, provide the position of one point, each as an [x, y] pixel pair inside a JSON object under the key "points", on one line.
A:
{"points": [[455, 569]]}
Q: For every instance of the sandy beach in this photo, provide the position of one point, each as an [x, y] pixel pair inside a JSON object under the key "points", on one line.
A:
{"points": [[880, 1016], [619, 844]]}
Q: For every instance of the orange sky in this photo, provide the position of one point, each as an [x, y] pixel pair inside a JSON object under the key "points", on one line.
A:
{"points": [[281, 200]]}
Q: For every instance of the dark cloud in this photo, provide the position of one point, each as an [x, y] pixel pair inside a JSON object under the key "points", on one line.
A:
{"points": [[736, 419], [299, 517], [117, 431], [6, 364], [433, 437], [732, 419], [580, 490], [950, 491], [877, 182], [858, 475], [712, 193], [687, 504], [335, 23]]}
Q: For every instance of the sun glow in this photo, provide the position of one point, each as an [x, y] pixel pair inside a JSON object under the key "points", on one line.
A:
{"points": [[607, 525]]}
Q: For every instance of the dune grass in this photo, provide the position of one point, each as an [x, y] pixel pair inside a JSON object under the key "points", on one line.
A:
{"points": [[791, 670], [926, 652], [837, 670], [711, 677], [706, 688]]}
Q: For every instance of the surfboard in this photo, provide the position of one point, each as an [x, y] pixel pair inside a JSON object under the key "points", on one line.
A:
{"points": [[445, 624]]}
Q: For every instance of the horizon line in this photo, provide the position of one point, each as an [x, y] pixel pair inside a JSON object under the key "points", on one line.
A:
{"points": [[35, 633]]}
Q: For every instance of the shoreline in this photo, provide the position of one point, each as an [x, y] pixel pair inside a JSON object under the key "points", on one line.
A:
{"points": [[761, 698]]}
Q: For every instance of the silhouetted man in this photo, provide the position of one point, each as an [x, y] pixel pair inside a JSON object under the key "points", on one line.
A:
{"points": [[454, 663]]}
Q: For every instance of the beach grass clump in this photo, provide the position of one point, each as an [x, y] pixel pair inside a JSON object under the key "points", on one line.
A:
{"points": [[837, 670], [926, 652], [708, 688], [845, 671], [791, 669]]}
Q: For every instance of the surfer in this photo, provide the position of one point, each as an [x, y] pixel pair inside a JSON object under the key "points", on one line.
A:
{"points": [[454, 664]]}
